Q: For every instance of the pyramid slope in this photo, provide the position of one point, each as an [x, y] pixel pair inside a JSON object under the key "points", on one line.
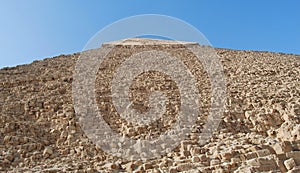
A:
{"points": [[259, 131]]}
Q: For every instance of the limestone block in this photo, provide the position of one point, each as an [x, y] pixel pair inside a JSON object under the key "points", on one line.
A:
{"points": [[290, 163]]}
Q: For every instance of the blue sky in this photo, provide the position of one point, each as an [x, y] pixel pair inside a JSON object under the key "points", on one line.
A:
{"points": [[33, 29]]}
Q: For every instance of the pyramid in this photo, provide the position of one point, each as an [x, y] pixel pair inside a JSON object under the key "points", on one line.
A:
{"points": [[259, 130]]}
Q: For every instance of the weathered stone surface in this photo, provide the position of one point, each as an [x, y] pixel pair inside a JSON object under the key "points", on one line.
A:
{"points": [[295, 170], [184, 167], [295, 155], [290, 163], [259, 129]]}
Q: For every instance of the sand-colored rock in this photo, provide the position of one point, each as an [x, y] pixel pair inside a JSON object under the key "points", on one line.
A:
{"points": [[259, 129], [290, 163]]}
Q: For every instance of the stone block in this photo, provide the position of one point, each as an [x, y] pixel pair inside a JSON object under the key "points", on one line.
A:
{"points": [[262, 153], [290, 163]]}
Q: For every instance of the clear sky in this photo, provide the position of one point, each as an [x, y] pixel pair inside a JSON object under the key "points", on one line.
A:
{"points": [[37, 29]]}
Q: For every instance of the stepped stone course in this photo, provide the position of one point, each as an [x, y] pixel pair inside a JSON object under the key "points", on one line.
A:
{"points": [[259, 130]]}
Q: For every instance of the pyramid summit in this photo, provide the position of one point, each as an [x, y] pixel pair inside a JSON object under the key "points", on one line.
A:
{"points": [[147, 41]]}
